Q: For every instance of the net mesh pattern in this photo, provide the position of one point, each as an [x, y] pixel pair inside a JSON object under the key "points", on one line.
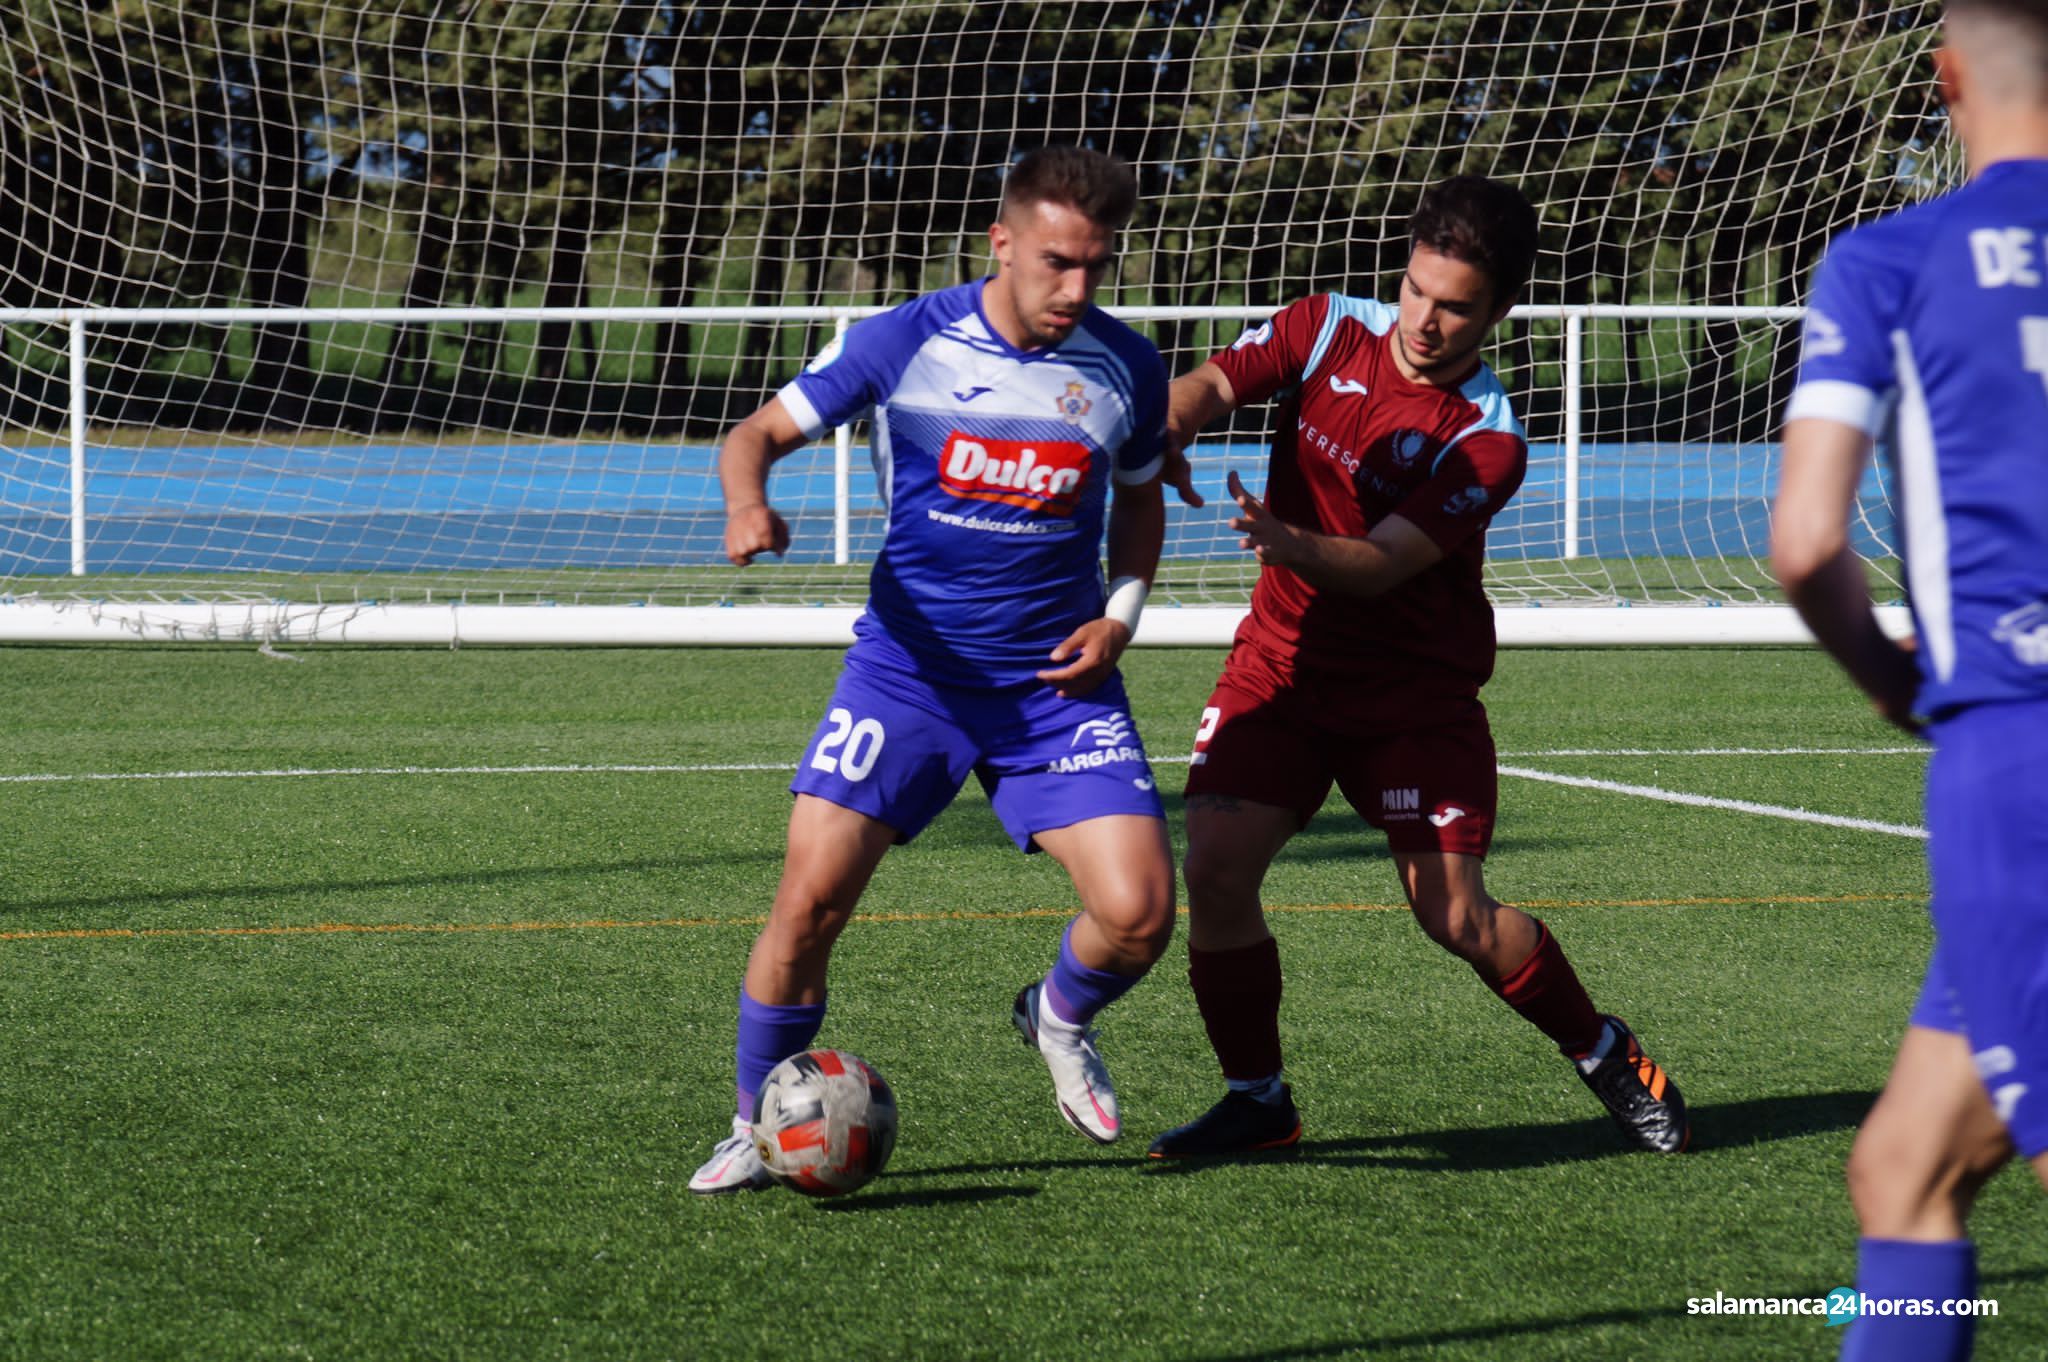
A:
{"points": [[418, 153]]}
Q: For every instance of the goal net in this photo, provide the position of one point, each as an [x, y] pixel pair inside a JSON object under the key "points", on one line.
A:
{"points": [[322, 317]]}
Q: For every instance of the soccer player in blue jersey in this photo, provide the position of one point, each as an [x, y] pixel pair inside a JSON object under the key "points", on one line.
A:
{"points": [[1937, 318], [1011, 418]]}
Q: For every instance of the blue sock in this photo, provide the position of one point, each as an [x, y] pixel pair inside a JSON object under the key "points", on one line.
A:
{"points": [[770, 1034], [1896, 1270], [1074, 992]]}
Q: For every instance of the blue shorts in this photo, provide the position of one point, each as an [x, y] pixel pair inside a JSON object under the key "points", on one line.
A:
{"points": [[897, 748], [1987, 854]]}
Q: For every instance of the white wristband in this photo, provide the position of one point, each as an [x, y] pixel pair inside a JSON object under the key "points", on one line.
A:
{"points": [[1126, 602]]}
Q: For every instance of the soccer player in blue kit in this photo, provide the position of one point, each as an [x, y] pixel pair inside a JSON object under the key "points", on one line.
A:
{"points": [[1937, 318], [1010, 419]]}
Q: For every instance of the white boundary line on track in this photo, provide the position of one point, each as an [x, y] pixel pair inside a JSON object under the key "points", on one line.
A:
{"points": [[707, 768], [1710, 802]]}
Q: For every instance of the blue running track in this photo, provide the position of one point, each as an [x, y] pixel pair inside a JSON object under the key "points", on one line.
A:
{"points": [[443, 507]]}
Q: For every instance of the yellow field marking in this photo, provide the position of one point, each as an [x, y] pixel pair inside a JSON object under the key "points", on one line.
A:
{"points": [[1773, 900], [1012, 915], [366, 928]]}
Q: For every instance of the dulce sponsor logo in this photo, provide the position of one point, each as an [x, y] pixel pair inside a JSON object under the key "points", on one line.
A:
{"points": [[1040, 475]]}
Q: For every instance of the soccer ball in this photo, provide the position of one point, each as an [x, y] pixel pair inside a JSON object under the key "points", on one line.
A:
{"points": [[824, 1122]]}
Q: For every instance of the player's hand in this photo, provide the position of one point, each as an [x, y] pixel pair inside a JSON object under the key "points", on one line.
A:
{"points": [[1271, 539], [754, 530], [1900, 715], [1894, 696], [1090, 653], [1176, 472]]}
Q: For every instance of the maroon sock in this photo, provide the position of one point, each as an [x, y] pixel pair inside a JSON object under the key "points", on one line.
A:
{"points": [[1238, 992], [1546, 990]]}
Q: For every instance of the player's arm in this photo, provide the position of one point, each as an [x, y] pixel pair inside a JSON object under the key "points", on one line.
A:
{"points": [[1264, 360], [848, 377], [1823, 578], [1193, 401], [1396, 549], [751, 526], [1137, 532]]}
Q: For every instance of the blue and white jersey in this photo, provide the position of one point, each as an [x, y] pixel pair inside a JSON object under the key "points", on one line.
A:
{"points": [[1936, 320], [995, 464]]}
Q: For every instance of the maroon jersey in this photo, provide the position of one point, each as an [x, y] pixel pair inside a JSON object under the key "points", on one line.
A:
{"points": [[1357, 442]]}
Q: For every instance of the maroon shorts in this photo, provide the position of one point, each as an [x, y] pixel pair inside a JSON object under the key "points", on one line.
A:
{"points": [[1430, 784]]}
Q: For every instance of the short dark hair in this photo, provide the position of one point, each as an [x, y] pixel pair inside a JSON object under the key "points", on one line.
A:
{"points": [[1099, 187], [2031, 12], [2029, 16], [1484, 222]]}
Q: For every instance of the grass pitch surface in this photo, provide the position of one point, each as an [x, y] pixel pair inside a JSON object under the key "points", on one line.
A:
{"points": [[413, 1056]]}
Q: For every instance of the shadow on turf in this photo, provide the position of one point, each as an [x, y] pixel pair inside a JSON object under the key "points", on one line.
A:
{"points": [[1338, 834], [1592, 1319], [1725, 1125], [1356, 841], [507, 875], [938, 1196]]}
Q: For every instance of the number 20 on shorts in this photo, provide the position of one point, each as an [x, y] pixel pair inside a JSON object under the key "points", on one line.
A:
{"points": [[856, 745]]}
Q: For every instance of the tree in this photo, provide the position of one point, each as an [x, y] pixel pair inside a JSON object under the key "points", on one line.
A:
{"points": [[1680, 150]]}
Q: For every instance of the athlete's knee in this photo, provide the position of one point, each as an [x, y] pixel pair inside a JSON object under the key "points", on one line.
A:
{"points": [[1465, 925], [793, 939], [1216, 876], [807, 916], [1908, 1181], [1223, 904], [1136, 918], [1893, 1180]]}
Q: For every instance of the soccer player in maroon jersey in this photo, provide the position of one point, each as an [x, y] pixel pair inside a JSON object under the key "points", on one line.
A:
{"points": [[1361, 661]]}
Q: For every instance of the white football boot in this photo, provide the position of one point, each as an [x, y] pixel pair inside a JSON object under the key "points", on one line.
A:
{"points": [[734, 1165], [1080, 1079]]}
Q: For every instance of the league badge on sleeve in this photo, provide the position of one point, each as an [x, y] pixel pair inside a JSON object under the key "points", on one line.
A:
{"points": [[1466, 502], [834, 348], [1822, 336]]}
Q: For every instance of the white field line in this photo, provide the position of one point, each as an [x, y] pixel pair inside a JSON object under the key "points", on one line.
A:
{"points": [[1581, 782], [1710, 802], [1919, 750], [281, 772], [707, 768]]}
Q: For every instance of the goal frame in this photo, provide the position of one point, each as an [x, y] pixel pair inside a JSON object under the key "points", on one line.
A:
{"points": [[39, 617]]}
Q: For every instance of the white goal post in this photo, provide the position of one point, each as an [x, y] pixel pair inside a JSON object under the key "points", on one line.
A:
{"points": [[467, 538], [400, 321]]}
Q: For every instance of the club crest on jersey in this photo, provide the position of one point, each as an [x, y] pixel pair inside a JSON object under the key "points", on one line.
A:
{"points": [[1039, 475], [1074, 404], [1408, 447]]}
